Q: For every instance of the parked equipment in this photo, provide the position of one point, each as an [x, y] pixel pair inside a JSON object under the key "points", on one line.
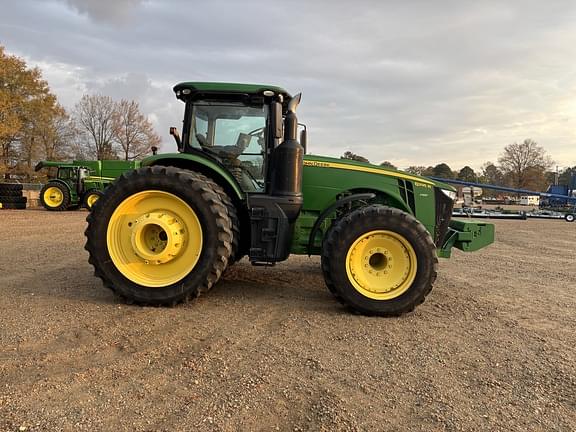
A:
{"points": [[11, 196], [79, 183], [241, 185], [569, 200]]}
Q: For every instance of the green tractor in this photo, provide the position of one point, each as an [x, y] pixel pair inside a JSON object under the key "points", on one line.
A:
{"points": [[79, 183], [242, 185]]}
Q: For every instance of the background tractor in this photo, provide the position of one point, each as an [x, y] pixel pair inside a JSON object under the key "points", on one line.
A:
{"points": [[79, 183], [241, 185]]}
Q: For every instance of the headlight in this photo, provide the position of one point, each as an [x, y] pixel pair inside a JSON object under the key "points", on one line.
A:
{"points": [[450, 194]]}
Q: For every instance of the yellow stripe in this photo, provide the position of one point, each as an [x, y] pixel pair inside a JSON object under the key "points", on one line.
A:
{"points": [[100, 178], [320, 164]]}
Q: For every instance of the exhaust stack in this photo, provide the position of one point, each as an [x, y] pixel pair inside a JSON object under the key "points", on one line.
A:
{"points": [[287, 164]]}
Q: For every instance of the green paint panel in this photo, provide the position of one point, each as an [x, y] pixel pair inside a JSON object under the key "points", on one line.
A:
{"points": [[325, 180]]}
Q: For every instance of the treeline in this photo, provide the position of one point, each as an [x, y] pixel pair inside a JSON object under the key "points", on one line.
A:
{"points": [[34, 126], [524, 165]]}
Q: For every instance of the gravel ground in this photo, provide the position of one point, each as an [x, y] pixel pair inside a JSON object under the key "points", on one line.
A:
{"points": [[492, 349]]}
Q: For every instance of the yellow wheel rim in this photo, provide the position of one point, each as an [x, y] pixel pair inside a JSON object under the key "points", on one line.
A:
{"points": [[53, 197], [381, 265], [154, 238], [91, 200]]}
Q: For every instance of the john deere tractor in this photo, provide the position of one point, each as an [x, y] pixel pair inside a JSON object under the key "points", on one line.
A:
{"points": [[241, 185], [79, 183]]}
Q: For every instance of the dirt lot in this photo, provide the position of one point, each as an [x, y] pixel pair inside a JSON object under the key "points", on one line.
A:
{"points": [[493, 348]]}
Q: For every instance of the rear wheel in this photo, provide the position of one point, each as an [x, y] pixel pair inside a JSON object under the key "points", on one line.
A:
{"points": [[55, 196], [90, 198], [379, 261], [569, 217], [160, 235]]}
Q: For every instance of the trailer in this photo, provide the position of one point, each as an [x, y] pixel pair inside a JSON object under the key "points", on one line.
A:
{"points": [[570, 201]]}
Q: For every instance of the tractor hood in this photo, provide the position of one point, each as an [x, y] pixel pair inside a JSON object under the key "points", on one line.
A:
{"points": [[347, 164]]}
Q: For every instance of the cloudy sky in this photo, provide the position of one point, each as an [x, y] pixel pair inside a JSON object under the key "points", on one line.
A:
{"points": [[414, 82]]}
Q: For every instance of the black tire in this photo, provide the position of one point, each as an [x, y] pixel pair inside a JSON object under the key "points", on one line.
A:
{"points": [[65, 196], [201, 196], [236, 254], [11, 193], [13, 199], [89, 195], [13, 206], [569, 217], [6, 188], [340, 239]]}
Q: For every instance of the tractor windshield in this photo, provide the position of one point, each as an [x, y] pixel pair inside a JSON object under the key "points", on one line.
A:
{"points": [[66, 173], [235, 133]]}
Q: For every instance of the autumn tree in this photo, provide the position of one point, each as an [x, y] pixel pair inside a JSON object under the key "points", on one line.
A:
{"points": [[525, 165], [467, 174], [132, 131], [27, 107], [352, 156], [94, 116]]}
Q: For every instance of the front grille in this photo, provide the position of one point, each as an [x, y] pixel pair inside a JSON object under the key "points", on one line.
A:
{"points": [[444, 207]]}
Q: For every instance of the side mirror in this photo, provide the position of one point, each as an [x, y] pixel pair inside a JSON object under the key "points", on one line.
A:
{"points": [[304, 139], [276, 108], [176, 135]]}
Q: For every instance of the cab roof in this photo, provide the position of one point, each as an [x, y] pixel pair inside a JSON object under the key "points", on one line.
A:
{"points": [[223, 88]]}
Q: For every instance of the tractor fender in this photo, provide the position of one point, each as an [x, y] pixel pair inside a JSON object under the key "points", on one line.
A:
{"points": [[62, 182], [204, 164], [330, 209]]}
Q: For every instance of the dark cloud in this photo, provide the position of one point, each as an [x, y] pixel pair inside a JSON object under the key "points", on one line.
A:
{"points": [[412, 82], [105, 10]]}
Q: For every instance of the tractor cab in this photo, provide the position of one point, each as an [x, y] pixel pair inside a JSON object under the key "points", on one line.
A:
{"points": [[238, 125], [250, 131], [73, 176]]}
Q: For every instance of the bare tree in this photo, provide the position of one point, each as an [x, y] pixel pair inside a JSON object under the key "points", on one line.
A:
{"points": [[132, 130], [524, 164], [94, 116], [419, 170]]}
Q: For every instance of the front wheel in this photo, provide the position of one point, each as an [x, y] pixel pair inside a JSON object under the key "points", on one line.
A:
{"points": [[90, 198], [160, 235], [569, 217], [379, 261]]}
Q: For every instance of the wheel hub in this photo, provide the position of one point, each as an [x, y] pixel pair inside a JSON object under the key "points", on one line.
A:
{"points": [[92, 200], [154, 238], [53, 196], [157, 237], [381, 264]]}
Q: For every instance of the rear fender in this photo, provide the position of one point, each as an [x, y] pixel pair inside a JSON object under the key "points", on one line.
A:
{"points": [[200, 163]]}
